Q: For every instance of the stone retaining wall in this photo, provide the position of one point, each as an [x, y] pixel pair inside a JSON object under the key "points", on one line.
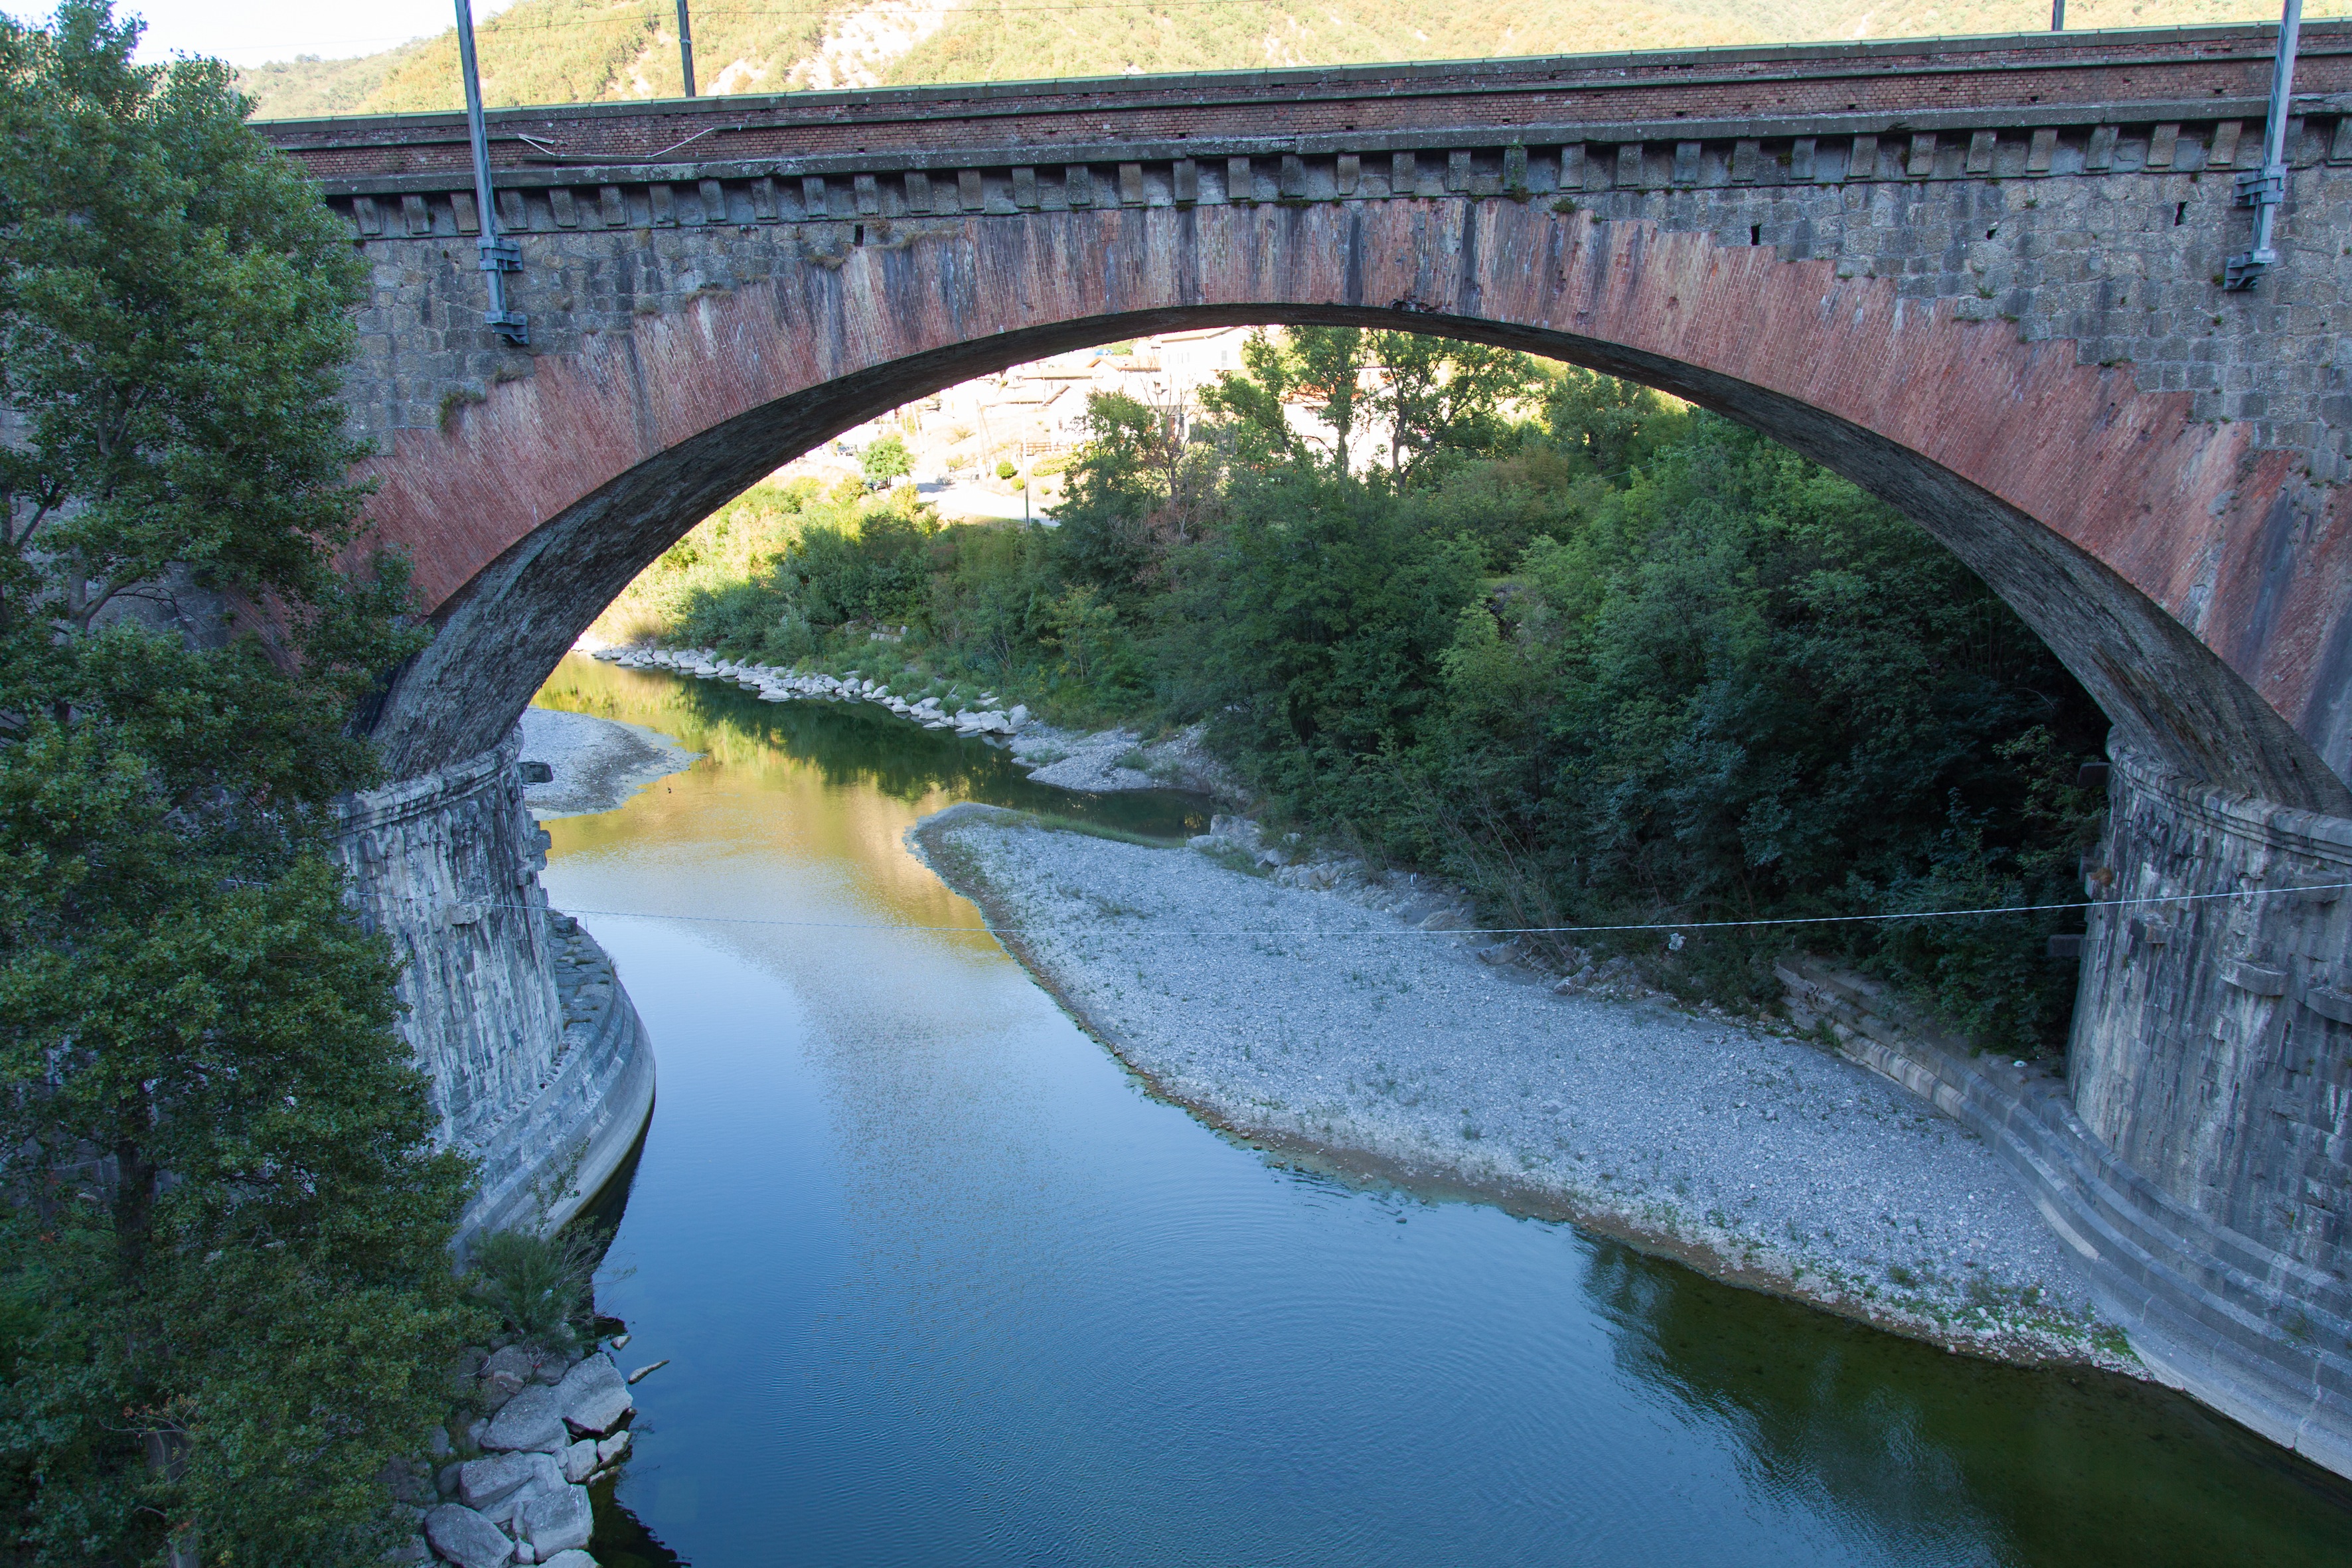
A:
{"points": [[2246, 1329], [2212, 1043], [540, 1064]]}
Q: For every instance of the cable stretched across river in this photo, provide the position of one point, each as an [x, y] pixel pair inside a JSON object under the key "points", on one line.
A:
{"points": [[1523, 931]]}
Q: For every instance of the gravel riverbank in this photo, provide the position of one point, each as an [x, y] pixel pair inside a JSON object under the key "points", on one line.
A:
{"points": [[1328, 1027], [598, 763]]}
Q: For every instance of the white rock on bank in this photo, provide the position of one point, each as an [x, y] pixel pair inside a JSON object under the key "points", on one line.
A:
{"points": [[579, 1460], [484, 1483], [465, 1537], [510, 1368], [561, 1521], [532, 1420]]}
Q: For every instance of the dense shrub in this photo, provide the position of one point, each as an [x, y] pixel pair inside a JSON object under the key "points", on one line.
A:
{"points": [[1745, 690], [540, 1289]]}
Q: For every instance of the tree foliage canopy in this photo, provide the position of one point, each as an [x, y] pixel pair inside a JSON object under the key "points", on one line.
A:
{"points": [[1600, 656], [223, 1244]]}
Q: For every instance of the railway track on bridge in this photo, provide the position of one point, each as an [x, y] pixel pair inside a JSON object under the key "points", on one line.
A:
{"points": [[2178, 100]]}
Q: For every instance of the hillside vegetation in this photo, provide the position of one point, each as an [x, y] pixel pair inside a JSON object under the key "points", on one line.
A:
{"points": [[564, 51]]}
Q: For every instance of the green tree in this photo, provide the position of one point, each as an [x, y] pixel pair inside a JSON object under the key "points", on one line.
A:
{"points": [[1310, 627], [223, 1242], [1318, 367], [1443, 401], [1742, 690], [885, 460], [1446, 402], [1118, 480], [1607, 422], [859, 563]]}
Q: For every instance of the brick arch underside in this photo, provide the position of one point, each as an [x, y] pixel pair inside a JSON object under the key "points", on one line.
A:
{"points": [[2105, 516]]}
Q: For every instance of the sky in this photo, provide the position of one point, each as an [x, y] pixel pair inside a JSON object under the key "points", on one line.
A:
{"points": [[248, 32]]}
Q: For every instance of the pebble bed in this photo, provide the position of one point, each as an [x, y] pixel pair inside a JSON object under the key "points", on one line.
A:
{"points": [[598, 763], [1315, 1010]]}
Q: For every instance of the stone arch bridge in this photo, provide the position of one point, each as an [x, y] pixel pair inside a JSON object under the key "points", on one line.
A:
{"points": [[1981, 276]]}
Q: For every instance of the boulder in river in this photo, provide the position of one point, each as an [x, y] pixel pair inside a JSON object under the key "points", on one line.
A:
{"points": [[465, 1537], [579, 1460], [593, 1397]]}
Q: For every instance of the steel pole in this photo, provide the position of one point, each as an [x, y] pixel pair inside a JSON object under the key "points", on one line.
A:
{"points": [[686, 47], [2264, 189], [499, 257], [2281, 83], [2057, 15]]}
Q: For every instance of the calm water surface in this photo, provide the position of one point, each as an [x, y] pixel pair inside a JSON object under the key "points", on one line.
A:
{"points": [[941, 1285]]}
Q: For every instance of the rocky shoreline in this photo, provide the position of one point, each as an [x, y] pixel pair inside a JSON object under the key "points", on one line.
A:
{"points": [[779, 683], [1091, 762], [508, 1476], [1348, 1020]]}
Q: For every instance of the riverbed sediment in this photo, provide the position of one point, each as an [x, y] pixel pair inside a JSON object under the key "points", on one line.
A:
{"points": [[1330, 1030], [598, 763]]}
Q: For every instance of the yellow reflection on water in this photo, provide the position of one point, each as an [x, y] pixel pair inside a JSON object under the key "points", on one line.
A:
{"points": [[750, 798]]}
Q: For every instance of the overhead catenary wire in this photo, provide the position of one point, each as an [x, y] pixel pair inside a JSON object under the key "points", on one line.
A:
{"points": [[1228, 928]]}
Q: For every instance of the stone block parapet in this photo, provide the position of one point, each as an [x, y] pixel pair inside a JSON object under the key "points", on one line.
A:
{"points": [[2238, 1325], [540, 1068]]}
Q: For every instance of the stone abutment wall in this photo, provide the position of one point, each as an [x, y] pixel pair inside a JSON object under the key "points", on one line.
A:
{"points": [[540, 1064]]}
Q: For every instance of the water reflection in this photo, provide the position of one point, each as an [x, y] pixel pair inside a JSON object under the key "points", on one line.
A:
{"points": [[1927, 1450], [941, 1285], [622, 1539]]}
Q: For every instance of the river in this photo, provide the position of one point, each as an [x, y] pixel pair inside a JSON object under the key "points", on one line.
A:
{"points": [[940, 1283]]}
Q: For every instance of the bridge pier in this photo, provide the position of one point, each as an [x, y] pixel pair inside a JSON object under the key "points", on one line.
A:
{"points": [[541, 1069], [2211, 1063]]}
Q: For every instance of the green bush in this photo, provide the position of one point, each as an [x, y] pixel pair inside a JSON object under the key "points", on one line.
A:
{"points": [[540, 1288]]}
